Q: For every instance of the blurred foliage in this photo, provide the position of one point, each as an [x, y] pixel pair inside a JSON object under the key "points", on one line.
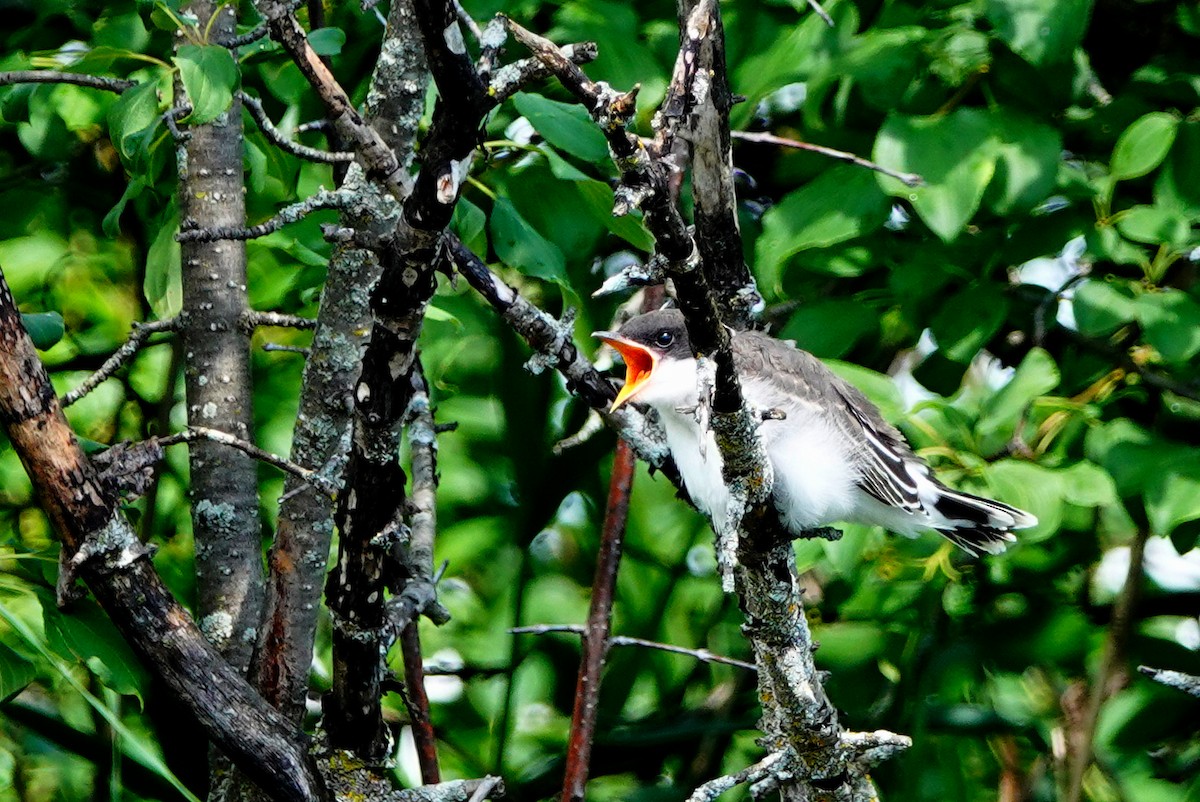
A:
{"points": [[1030, 317]]}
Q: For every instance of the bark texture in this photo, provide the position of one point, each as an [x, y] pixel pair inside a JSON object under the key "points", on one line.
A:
{"points": [[298, 558], [224, 491], [103, 549]]}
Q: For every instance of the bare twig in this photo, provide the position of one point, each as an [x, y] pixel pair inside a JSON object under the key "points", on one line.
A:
{"points": [[324, 199], [486, 788], [248, 38], [253, 319], [195, 433], [1188, 683], [703, 655], [138, 339], [467, 20], [815, 5], [117, 85], [255, 107], [763, 138]]}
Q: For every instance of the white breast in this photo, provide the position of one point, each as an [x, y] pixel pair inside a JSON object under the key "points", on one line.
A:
{"points": [[814, 476]]}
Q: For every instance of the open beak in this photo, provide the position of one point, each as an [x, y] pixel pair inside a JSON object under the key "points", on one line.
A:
{"points": [[639, 364]]}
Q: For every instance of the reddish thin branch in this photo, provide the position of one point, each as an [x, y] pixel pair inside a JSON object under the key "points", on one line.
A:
{"points": [[418, 705], [599, 625]]}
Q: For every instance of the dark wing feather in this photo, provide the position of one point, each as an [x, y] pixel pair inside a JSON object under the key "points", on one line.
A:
{"points": [[877, 447]]}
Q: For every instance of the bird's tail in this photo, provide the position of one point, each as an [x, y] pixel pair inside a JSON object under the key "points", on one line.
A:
{"points": [[976, 524]]}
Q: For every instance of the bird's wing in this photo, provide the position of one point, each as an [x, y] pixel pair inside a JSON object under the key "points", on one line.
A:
{"points": [[878, 450]]}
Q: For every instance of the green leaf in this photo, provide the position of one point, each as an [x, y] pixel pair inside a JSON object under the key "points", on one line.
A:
{"points": [[1170, 322], [111, 224], [1178, 183], [1028, 155], [1101, 308], [1035, 376], [566, 126], [44, 328], [520, 246], [842, 203], [1042, 32], [210, 76], [1155, 225], [163, 284], [955, 154], [135, 111], [967, 321], [327, 41], [1143, 145], [847, 644], [87, 635], [15, 673], [1136, 458], [1172, 503], [598, 199], [1086, 484], [468, 222], [830, 328]]}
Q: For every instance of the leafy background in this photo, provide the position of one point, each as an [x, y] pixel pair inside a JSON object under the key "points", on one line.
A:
{"points": [[1029, 317]]}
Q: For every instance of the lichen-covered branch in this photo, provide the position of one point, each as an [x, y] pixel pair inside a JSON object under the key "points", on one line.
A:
{"points": [[103, 548], [706, 113], [370, 512], [1188, 683], [817, 758], [220, 394], [276, 137], [548, 338], [298, 557], [193, 230], [137, 340], [117, 85], [377, 159]]}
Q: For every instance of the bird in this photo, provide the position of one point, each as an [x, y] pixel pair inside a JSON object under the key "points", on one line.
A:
{"points": [[834, 457]]}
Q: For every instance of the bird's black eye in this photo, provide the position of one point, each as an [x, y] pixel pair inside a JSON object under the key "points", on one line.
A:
{"points": [[664, 339]]}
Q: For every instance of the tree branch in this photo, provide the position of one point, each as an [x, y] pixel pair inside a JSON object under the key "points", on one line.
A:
{"points": [[395, 101], [699, 94], [754, 548], [1188, 683], [1113, 671], [599, 626], [377, 159], [117, 85], [192, 231], [763, 138], [99, 541], [137, 340], [220, 393], [276, 137], [703, 655]]}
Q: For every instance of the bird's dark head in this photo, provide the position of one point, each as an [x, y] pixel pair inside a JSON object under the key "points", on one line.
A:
{"points": [[645, 342]]}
